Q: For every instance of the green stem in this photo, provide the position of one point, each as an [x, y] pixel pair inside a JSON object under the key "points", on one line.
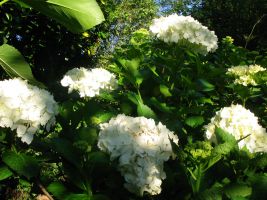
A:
{"points": [[2, 2], [139, 94], [199, 177], [244, 100]]}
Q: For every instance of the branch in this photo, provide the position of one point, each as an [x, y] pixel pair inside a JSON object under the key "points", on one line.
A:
{"points": [[44, 190]]}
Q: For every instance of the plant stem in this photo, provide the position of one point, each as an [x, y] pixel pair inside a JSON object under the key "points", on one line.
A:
{"points": [[248, 39], [44, 190], [199, 178], [2, 2]]}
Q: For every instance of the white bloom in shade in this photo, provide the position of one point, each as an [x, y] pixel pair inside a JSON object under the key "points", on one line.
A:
{"points": [[244, 74], [241, 123], [89, 83], [185, 31], [141, 148], [24, 108]]}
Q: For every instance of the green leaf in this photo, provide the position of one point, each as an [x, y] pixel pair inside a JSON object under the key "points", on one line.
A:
{"points": [[130, 65], [212, 161], [234, 190], [214, 193], [76, 178], [77, 16], [132, 70], [204, 85], [223, 136], [4, 172], [165, 90], [77, 197], [14, 64], [161, 106], [21, 163], [98, 159], [88, 134], [65, 148], [144, 110], [101, 117], [260, 160], [223, 149], [194, 121], [57, 189], [133, 97]]}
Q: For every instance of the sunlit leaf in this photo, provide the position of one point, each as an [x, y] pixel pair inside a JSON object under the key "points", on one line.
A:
{"points": [[165, 90], [237, 190], [144, 110], [15, 65], [194, 121], [77, 16]]}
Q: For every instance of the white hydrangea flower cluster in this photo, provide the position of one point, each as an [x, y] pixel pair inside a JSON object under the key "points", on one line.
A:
{"points": [[89, 83], [244, 74], [185, 31], [25, 107], [141, 147], [241, 123]]}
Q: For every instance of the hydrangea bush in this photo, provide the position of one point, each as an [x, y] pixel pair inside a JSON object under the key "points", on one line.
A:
{"points": [[171, 81], [185, 31], [142, 147], [244, 74], [25, 108], [242, 124], [89, 83]]}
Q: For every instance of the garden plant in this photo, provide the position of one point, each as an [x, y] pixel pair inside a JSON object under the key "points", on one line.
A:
{"points": [[176, 113]]}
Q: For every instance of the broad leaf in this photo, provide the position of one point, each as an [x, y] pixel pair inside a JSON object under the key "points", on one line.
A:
{"points": [[14, 64], [21, 163], [194, 121], [161, 106], [65, 149], [4, 172], [165, 91], [234, 190], [223, 149], [57, 189], [101, 117], [77, 16], [223, 136], [144, 110], [77, 197], [204, 85]]}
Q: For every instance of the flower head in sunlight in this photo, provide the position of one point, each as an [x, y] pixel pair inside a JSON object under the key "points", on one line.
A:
{"points": [[242, 124], [89, 83], [141, 147], [185, 31], [25, 107], [244, 74]]}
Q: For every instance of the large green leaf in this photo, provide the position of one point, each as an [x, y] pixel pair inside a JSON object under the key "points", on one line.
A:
{"points": [[234, 190], [21, 163], [65, 149], [144, 110], [14, 64], [4, 172], [76, 15], [194, 121], [57, 189]]}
